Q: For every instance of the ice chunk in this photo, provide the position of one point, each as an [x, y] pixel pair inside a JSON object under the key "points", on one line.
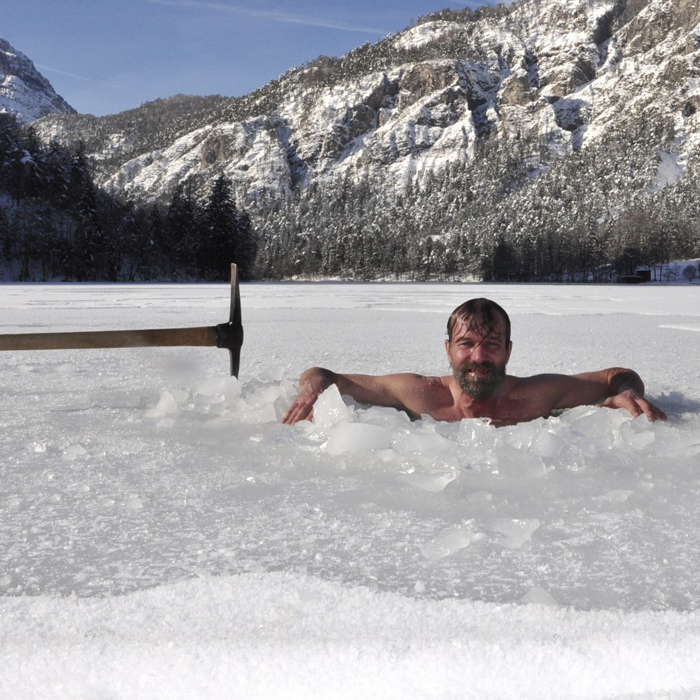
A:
{"points": [[266, 404], [252, 414], [640, 441], [538, 596], [449, 541], [521, 435], [382, 415], [219, 388], [477, 434], [180, 396], [433, 483], [615, 496], [547, 445], [513, 463], [357, 437], [423, 443], [166, 406], [134, 502], [516, 532], [73, 452], [330, 409], [599, 426], [604, 417]]}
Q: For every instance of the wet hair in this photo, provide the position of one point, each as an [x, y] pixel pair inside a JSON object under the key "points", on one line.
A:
{"points": [[480, 314]]}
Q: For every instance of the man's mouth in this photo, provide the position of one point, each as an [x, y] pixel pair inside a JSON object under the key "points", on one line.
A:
{"points": [[479, 370]]}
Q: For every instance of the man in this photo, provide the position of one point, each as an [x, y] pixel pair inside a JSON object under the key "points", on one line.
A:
{"points": [[478, 347]]}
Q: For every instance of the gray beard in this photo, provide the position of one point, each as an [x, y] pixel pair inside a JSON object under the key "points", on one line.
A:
{"points": [[480, 388]]}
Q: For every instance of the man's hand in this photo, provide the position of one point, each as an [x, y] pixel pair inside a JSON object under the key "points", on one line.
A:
{"points": [[635, 404], [311, 385]]}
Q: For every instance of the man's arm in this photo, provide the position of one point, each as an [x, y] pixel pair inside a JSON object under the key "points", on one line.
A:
{"points": [[391, 390], [616, 387]]}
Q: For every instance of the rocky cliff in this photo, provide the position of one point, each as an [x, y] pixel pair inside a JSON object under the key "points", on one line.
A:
{"points": [[24, 92]]}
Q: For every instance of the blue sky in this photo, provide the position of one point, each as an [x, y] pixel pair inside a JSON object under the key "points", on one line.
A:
{"points": [[105, 56]]}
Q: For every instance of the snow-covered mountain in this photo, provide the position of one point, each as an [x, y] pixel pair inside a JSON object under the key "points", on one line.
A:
{"points": [[551, 139], [556, 75], [24, 92]]}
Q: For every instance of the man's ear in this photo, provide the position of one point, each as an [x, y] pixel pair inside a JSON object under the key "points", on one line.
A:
{"points": [[510, 349], [447, 350]]}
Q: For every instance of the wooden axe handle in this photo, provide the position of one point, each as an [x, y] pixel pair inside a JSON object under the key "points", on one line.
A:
{"points": [[225, 335], [160, 337]]}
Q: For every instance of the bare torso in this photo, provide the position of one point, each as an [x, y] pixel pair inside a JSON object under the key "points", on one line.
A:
{"points": [[516, 400]]}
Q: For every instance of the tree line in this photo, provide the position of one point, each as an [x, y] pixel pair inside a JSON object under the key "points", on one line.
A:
{"points": [[594, 216], [513, 212], [56, 223]]}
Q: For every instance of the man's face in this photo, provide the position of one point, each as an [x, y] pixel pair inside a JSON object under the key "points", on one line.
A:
{"points": [[478, 358]]}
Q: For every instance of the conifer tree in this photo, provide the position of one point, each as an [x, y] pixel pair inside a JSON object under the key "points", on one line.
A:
{"points": [[89, 242], [227, 235], [219, 246], [184, 220]]}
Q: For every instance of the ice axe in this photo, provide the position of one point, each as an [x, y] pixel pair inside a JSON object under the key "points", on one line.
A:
{"points": [[224, 335]]}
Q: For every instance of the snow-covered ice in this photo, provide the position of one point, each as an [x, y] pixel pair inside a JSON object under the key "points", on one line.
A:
{"points": [[164, 536]]}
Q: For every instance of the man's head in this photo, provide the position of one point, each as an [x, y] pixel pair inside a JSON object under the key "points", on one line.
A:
{"points": [[480, 314], [478, 346]]}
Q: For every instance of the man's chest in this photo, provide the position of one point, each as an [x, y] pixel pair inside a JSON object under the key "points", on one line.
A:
{"points": [[514, 409]]}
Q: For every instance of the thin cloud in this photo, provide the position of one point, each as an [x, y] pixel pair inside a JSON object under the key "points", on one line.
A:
{"points": [[476, 4], [271, 15], [90, 80]]}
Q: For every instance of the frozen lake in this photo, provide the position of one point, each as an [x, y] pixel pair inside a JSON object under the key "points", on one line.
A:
{"points": [[149, 475]]}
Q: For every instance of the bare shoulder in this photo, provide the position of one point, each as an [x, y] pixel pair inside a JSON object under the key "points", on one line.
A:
{"points": [[540, 381], [443, 382], [414, 393], [432, 395], [421, 385], [420, 394]]}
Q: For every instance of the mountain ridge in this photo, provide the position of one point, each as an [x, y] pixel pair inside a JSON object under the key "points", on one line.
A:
{"points": [[540, 139], [475, 79], [24, 92]]}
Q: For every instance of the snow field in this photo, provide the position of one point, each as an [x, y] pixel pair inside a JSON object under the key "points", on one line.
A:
{"points": [[286, 635], [166, 536]]}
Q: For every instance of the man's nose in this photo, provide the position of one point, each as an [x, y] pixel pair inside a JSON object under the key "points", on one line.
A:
{"points": [[477, 353]]}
